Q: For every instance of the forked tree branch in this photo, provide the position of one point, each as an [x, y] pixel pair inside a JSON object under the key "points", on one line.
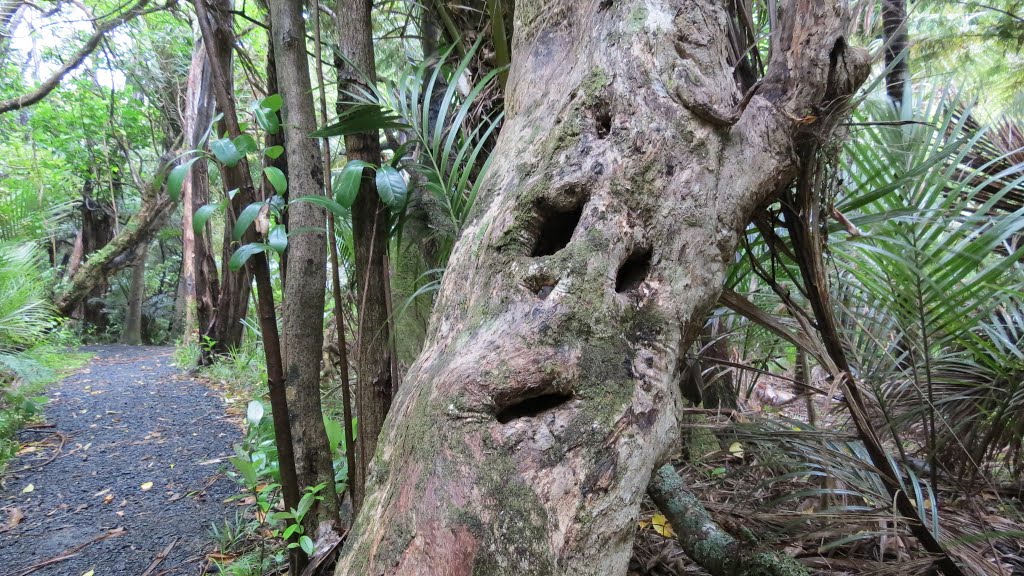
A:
{"points": [[76, 60]]}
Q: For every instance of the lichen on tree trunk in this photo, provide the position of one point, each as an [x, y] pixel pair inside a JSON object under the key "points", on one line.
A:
{"points": [[525, 434]]}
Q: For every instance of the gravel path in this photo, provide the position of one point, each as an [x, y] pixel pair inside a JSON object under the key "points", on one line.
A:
{"points": [[140, 471]]}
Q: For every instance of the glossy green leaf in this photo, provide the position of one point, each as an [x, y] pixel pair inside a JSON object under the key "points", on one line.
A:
{"points": [[335, 208], [391, 187], [245, 144], [277, 239], [242, 255], [346, 183], [176, 179], [226, 152], [251, 212], [272, 102], [201, 216], [307, 545], [277, 179], [274, 152], [268, 120]]}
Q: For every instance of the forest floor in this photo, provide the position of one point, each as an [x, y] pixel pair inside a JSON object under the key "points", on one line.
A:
{"points": [[125, 475]]}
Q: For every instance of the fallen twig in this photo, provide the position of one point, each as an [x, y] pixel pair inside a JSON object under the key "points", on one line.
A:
{"points": [[160, 558], [71, 552]]}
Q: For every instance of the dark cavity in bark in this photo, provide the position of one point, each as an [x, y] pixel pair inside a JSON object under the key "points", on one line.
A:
{"points": [[533, 406], [556, 228], [633, 271]]}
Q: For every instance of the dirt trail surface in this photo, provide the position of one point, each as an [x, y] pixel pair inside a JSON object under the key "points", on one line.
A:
{"points": [[128, 419]]}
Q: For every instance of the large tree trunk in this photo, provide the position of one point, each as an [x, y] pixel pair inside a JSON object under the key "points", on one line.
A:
{"points": [[524, 436], [370, 221], [131, 332], [307, 259]]}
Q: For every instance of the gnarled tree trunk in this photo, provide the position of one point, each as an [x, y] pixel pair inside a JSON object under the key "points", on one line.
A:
{"points": [[524, 437]]}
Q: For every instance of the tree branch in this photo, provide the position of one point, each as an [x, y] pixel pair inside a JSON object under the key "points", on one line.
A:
{"points": [[74, 62], [704, 541]]}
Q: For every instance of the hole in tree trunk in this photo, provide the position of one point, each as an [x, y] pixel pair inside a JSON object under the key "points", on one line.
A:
{"points": [[603, 117], [556, 228], [535, 406], [633, 271]]}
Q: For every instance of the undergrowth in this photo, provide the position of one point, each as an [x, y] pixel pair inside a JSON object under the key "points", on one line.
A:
{"points": [[22, 392]]}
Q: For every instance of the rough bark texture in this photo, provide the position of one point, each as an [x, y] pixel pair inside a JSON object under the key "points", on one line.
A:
{"points": [[705, 542], [370, 235], [307, 259], [233, 300], [198, 266], [131, 332], [525, 435]]}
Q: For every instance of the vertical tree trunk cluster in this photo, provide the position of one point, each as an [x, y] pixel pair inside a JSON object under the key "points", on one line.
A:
{"points": [[522, 440], [370, 232], [217, 25]]}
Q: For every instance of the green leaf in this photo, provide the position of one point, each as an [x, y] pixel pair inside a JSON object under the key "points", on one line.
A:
{"points": [[176, 179], [254, 412], [362, 118], [334, 433], [245, 144], [307, 545], [346, 184], [226, 152], [277, 239], [290, 530], [391, 187], [201, 216], [268, 120], [245, 219], [277, 179], [242, 255], [272, 102], [335, 208], [274, 152]]}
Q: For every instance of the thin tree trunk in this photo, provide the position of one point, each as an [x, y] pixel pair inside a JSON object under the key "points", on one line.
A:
{"points": [[370, 221], [131, 332], [629, 163], [307, 259]]}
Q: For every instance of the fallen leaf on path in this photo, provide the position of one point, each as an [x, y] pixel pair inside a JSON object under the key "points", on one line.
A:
{"points": [[108, 499], [101, 493], [89, 573], [146, 486], [28, 488], [14, 517], [26, 450]]}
